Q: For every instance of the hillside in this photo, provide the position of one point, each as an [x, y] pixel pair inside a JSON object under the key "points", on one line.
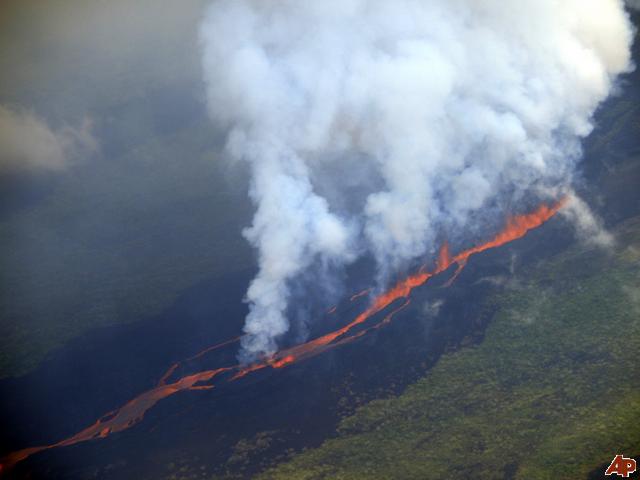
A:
{"points": [[552, 392]]}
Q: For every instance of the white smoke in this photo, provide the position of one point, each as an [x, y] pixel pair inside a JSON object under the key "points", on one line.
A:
{"points": [[446, 107], [588, 226]]}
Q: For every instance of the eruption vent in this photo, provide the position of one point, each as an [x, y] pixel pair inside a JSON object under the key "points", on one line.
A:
{"points": [[377, 127]]}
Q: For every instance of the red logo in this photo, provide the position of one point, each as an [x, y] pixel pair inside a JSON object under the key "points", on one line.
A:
{"points": [[621, 466]]}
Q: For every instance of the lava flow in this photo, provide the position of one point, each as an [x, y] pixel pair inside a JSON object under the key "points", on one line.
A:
{"points": [[133, 411]]}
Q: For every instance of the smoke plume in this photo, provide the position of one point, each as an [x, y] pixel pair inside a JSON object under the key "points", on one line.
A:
{"points": [[381, 127]]}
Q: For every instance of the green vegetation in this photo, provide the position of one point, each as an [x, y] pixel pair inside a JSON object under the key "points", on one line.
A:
{"points": [[552, 392]]}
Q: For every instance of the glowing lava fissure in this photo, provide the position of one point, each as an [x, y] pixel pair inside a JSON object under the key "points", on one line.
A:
{"points": [[133, 411]]}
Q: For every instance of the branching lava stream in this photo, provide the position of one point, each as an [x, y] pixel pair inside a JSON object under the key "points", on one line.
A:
{"points": [[133, 411]]}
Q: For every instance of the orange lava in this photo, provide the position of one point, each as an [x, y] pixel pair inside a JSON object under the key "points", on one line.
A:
{"points": [[444, 258], [172, 368], [133, 411], [517, 226], [359, 294], [122, 418], [283, 361]]}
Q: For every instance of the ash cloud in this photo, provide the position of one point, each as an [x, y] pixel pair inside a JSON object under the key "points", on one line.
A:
{"points": [[450, 111]]}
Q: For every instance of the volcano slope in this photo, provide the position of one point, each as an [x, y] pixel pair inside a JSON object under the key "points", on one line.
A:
{"points": [[553, 391]]}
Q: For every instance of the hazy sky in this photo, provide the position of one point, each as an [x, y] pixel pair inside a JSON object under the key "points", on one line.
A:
{"points": [[113, 198]]}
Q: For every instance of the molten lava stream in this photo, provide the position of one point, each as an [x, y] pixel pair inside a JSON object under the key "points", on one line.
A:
{"points": [[172, 368], [132, 412], [359, 294]]}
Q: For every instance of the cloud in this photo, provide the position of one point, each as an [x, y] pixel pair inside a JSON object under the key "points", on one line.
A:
{"points": [[451, 109], [27, 143]]}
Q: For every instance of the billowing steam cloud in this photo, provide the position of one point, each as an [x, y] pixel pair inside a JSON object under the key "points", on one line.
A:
{"points": [[416, 113]]}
